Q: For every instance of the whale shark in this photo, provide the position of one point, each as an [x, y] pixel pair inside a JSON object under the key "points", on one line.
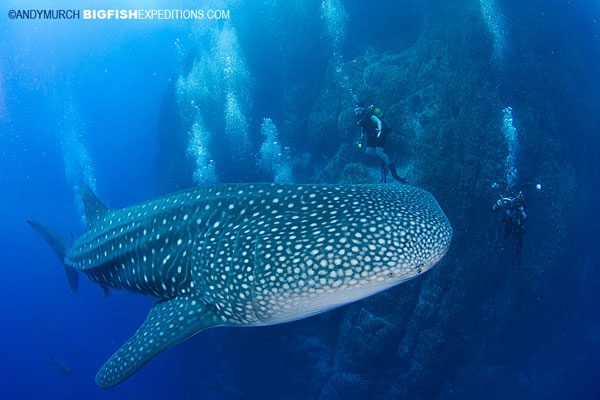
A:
{"points": [[250, 255]]}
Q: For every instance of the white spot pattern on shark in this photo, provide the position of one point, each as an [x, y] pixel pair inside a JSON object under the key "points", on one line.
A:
{"points": [[251, 254]]}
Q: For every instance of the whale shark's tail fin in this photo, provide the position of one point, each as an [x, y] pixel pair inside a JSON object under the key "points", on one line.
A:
{"points": [[60, 246]]}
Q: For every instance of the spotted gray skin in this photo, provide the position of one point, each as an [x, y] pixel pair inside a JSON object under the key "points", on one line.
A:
{"points": [[252, 254]]}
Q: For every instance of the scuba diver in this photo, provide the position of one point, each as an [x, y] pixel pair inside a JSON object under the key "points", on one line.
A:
{"points": [[370, 119], [514, 217]]}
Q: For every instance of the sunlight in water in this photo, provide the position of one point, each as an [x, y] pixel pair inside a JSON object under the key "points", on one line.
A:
{"points": [[3, 111]]}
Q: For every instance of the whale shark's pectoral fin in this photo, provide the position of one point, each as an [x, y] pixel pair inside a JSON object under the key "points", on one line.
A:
{"points": [[169, 322]]}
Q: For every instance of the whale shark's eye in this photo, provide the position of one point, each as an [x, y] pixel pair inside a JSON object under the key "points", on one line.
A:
{"points": [[419, 268]]}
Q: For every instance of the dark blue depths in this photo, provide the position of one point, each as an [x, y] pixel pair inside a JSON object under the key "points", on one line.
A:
{"points": [[111, 104]]}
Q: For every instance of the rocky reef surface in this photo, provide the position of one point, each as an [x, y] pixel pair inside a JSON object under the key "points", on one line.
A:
{"points": [[477, 325]]}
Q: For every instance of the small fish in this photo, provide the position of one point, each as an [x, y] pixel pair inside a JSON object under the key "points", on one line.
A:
{"points": [[229, 391], [58, 364]]}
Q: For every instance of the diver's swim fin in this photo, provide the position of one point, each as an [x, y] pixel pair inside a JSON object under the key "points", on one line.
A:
{"points": [[394, 173]]}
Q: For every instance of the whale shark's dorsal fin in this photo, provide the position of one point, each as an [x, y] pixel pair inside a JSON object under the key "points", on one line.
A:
{"points": [[94, 209], [169, 322]]}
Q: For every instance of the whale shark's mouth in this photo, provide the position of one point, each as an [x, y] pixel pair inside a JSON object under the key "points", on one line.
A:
{"points": [[298, 305]]}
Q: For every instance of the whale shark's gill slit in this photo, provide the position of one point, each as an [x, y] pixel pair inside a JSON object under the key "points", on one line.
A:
{"points": [[183, 273], [205, 267], [254, 282], [171, 273]]}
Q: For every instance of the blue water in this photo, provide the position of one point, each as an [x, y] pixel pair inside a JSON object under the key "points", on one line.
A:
{"points": [[107, 104]]}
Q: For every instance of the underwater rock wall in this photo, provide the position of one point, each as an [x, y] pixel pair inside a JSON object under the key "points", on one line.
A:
{"points": [[403, 343], [465, 329], [462, 331]]}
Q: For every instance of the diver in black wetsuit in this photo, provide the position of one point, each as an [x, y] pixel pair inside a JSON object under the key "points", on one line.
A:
{"points": [[514, 216], [370, 119]]}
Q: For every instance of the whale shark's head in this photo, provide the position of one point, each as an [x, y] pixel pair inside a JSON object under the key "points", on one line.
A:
{"points": [[356, 241], [400, 231], [419, 231]]}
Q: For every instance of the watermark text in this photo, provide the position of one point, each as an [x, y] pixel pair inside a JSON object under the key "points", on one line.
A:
{"points": [[120, 14]]}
